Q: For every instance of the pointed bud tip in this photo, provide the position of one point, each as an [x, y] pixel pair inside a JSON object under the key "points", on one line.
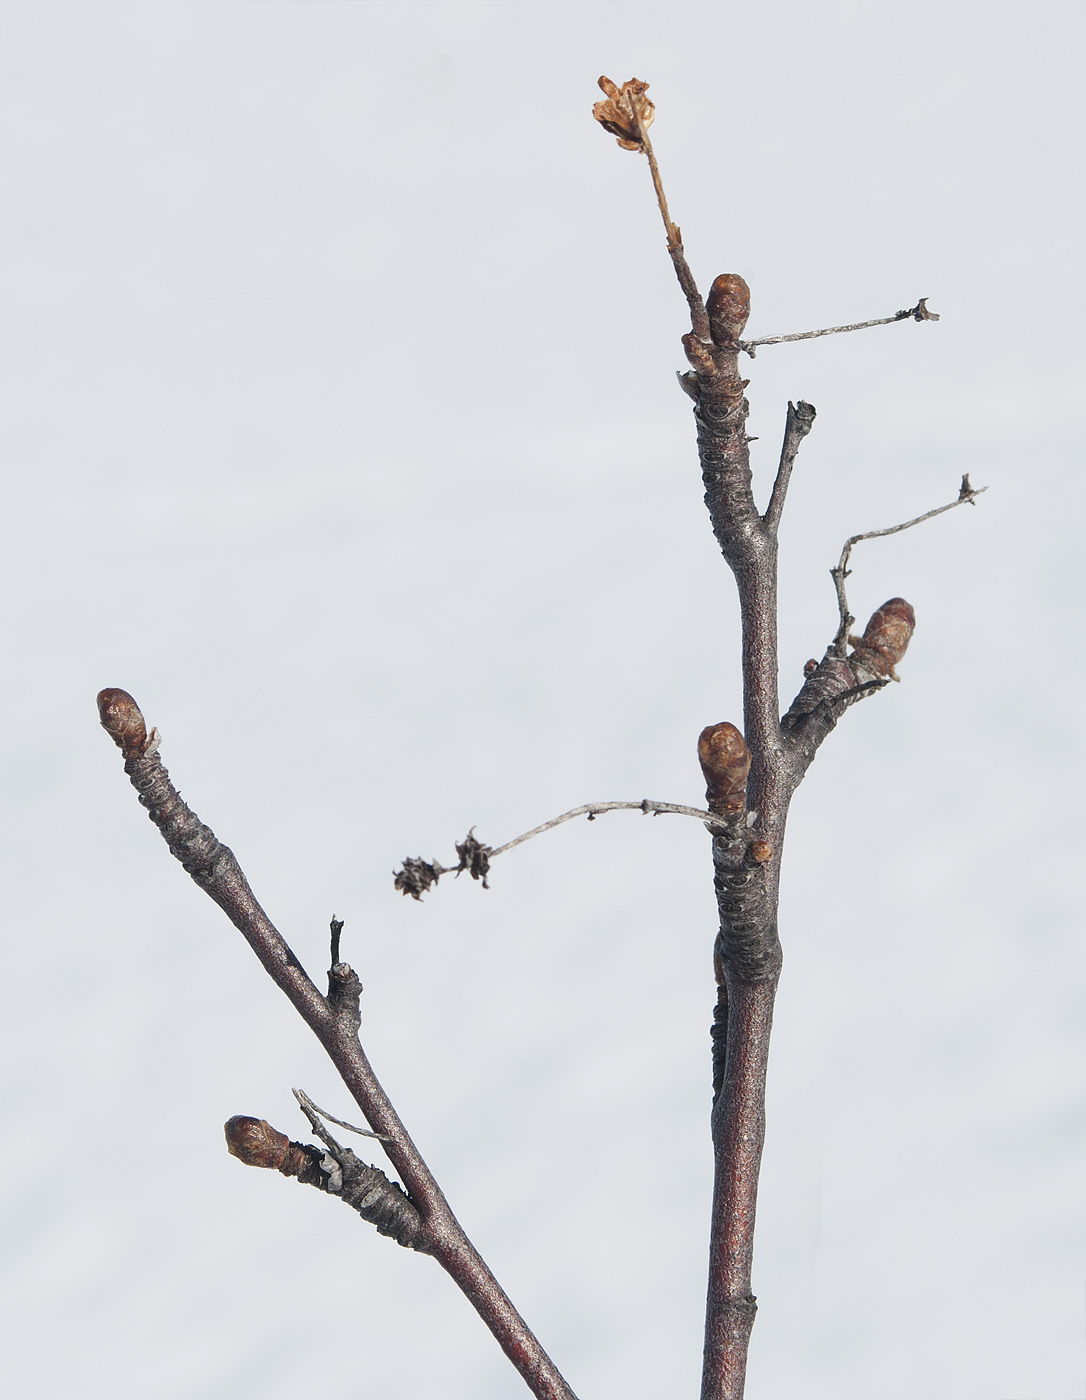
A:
{"points": [[121, 718], [255, 1142]]}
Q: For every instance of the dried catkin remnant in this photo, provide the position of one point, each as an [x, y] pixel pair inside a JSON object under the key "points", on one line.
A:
{"points": [[616, 114], [121, 719], [886, 638], [725, 761], [728, 305]]}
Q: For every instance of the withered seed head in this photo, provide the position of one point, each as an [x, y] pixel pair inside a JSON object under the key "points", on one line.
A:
{"points": [[728, 305], [256, 1143], [121, 719], [886, 637], [616, 114], [725, 761]]}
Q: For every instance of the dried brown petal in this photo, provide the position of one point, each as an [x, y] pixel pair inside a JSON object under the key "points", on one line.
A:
{"points": [[121, 719], [885, 638], [728, 305], [725, 761], [616, 113]]}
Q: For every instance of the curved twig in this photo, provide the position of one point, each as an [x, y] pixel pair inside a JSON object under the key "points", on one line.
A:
{"points": [[967, 494]]}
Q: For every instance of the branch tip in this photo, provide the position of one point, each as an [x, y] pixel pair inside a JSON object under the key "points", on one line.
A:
{"points": [[122, 720]]}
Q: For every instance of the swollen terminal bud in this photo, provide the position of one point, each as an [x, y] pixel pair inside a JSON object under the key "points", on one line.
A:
{"points": [[728, 305], [256, 1143], [725, 761], [122, 720], [886, 637]]}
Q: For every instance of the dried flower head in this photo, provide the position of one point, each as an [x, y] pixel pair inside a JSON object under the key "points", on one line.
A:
{"points": [[619, 113], [417, 876]]}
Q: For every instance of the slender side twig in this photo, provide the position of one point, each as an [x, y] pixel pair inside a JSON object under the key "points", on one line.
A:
{"points": [[967, 494], [797, 425], [919, 312], [418, 875], [334, 1020]]}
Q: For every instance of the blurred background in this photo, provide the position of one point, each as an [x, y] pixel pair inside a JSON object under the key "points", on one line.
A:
{"points": [[342, 430]]}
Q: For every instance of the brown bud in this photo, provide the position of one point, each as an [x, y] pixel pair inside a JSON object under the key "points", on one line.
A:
{"points": [[728, 305], [725, 761], [616, 114], [256, 1143], [886, 637], [810, 667], [121, 719], [760, 852], [699, 354]]}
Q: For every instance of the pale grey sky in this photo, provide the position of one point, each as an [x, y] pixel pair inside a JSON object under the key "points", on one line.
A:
{"points": [[342, 430]]}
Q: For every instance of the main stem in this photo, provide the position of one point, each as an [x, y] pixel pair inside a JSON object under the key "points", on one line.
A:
{"points": [[748, 950]]}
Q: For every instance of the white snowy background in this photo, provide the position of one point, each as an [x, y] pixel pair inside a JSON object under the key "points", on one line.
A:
{"points": [[342, 429]]}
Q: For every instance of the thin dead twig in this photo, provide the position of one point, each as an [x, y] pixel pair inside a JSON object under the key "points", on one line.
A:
{"points": [[919, 312], [417, 876], [967, 494]]}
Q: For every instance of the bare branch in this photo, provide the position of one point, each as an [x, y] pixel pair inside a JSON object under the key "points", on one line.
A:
{"points": [[967, 494], [919, 312], [798, 424], [421, 1219]]}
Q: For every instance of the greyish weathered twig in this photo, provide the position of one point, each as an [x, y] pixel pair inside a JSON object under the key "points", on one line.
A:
{"points": [[416, 875], [919, 312]]}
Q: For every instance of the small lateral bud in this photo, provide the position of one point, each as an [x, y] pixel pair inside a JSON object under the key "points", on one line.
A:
{"points": [[810, 667], [699, 354], [728, 305], [725, 761], [761, 852], [121, 719], [886, 637], [256, 1143]]}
